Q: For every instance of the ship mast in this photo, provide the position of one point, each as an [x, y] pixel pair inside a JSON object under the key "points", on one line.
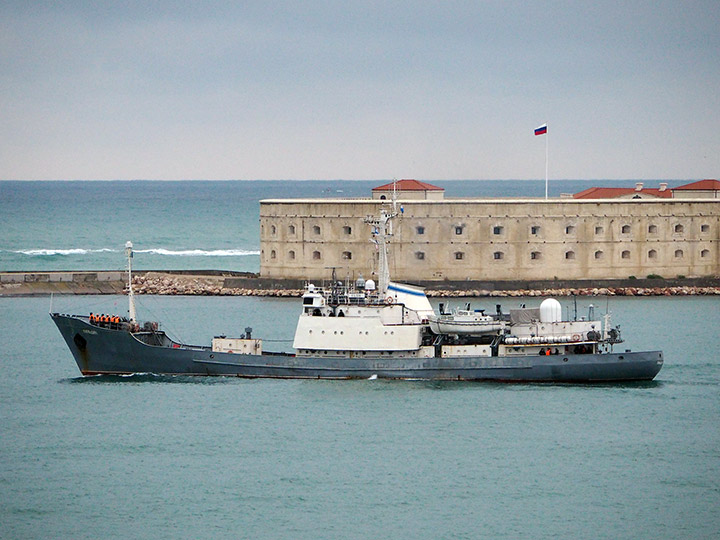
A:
{"points": [[131, 297], [381, 234]]}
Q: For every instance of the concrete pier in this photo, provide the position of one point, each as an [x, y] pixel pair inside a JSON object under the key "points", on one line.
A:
{"points": [[219, 283]]}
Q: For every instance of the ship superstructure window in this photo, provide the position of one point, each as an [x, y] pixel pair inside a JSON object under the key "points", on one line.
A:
{"points": [[678, 253], [652, 254], [599, 229], [316, 229], [704, 227], [291, 229], [625, 229], [625, 254], [347, 255], [459, 255], [291, 255], [570, 229], [420, 255], [498, 255], [678, 228], [569, 255], [535, 229], [599, 254], [347, 229], [498, 229], [420, 229], [316, 255], [705, 253], [652, 229], [535, 256]]}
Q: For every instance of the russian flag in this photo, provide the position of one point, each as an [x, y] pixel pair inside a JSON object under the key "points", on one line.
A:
{"points": [[542, 130]]}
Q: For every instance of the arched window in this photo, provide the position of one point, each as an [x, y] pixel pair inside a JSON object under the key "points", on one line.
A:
{"points": [[625, 229], [569, 255], [625, 254], [705, 253], [679, 228], [291, 229], [678, 253], [291, 255], [599, 254], [273, 255], [316, 255], [316, 229], [273, 230], [652, 254]]}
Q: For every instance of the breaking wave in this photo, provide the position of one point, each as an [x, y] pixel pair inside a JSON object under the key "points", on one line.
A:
{"points": [[153, 251], [199, 252], [53, 252]]}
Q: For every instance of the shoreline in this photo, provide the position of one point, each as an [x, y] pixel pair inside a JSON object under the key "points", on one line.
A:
{"points": [[227, 283]]}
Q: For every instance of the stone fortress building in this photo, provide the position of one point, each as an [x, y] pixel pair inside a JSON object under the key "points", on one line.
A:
{"points": [[600, 233]]}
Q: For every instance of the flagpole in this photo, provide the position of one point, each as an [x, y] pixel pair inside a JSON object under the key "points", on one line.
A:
{"points": [[546, 164]]}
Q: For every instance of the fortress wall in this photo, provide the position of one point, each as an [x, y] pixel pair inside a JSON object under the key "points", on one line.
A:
{"points": [[493, 239]]}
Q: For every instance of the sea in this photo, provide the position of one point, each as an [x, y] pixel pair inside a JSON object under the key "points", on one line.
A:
{"points": [[148, 456]]}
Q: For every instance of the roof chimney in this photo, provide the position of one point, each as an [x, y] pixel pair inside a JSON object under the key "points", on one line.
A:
{"points": [[638, 186], [663, 186]]}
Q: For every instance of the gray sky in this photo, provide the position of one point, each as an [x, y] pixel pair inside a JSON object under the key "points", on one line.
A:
{"points": [[359, 90]]}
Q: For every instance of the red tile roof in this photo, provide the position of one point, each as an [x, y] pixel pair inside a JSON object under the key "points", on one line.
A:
{"points": [[613, 193], [408, 185], [702, 185]]}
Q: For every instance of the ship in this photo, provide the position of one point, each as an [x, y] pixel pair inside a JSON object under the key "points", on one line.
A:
{"points": [[374, 329]]}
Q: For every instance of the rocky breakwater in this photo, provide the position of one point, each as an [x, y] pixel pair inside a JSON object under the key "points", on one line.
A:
{"points": [[170, 284]]}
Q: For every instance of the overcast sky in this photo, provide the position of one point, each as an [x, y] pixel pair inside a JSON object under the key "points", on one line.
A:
{"points": [[359, 90]]}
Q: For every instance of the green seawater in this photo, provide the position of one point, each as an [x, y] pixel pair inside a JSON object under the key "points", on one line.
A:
{"points": [[181, 457]]}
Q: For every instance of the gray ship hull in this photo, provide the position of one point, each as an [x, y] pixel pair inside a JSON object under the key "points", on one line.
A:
{"points": [[103, 351]]}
